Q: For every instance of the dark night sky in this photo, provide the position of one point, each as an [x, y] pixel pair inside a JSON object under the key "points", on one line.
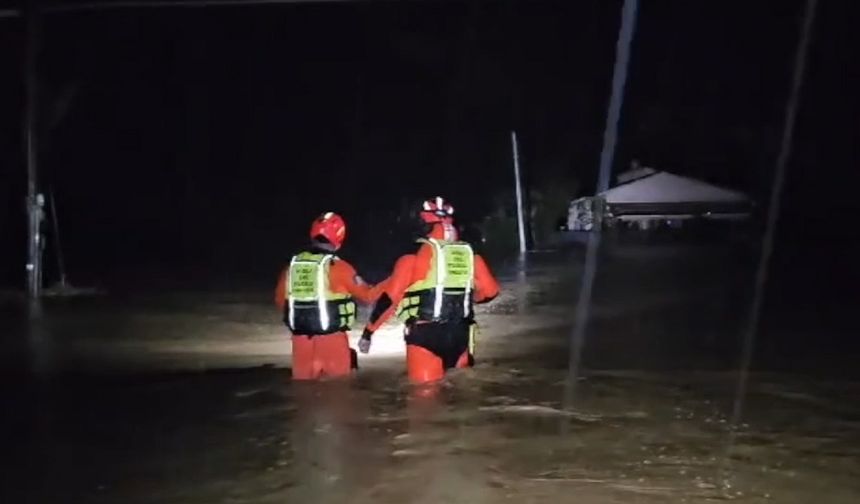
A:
{"points": [[210, 136]]}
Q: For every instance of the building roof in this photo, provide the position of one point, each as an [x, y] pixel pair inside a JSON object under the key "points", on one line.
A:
{"points": [[664, 187]]}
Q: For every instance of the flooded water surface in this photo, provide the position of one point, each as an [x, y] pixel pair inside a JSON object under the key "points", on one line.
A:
{"points": [[187, 398]]}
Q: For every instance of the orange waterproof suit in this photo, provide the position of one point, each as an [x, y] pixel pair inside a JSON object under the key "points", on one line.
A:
{"points": [[326, 352], [434, 345]]}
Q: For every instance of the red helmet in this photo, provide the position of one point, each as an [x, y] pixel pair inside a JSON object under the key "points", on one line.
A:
{"points": [[437, 210], [329, 228]]}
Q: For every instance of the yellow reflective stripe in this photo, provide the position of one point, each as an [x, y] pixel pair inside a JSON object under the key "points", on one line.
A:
{"points": [[473, 336], [467, 298], [290, 299], [346, 308], [441, 270], [322, 290]]}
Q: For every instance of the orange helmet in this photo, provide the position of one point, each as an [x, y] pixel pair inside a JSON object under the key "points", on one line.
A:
{"points": [[437, 210], [329, 229]]}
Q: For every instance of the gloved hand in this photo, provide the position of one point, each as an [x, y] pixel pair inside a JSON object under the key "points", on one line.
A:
{"points": [[364, 341]]}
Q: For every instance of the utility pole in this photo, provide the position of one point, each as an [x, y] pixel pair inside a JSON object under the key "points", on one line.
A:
{"points": [[610, 136], [521, 226], [58, 247], [791, 108], [749, 334], [35, 201]]}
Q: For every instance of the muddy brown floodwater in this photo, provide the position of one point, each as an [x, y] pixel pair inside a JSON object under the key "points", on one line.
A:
{"points": [[186, 398]]}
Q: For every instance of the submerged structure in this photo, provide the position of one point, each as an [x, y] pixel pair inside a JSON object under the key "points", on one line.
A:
{"points": [[647, 198]]}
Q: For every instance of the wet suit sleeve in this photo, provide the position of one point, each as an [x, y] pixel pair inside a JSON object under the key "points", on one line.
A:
{"points": [[345, 279], [486, 286], [281, 289], [377, 290], [394, 289]]}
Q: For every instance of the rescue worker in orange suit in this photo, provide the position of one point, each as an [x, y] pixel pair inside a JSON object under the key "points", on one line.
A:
{"points": [[317, 294], [433, 291]]}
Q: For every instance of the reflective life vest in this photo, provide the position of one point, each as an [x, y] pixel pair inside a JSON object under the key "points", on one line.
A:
{"points": [[445, 294], [312, 308]]}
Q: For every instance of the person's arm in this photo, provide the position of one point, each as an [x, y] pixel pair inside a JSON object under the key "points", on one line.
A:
{"points": [[486, 286], [345, 279], [281, 289], [394, 289], [377, 290]]}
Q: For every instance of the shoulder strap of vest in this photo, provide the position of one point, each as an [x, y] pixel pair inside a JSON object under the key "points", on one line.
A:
{"points": [[322, 282], [417, 244], [442, 243], [306, 256], [314, 256]]}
